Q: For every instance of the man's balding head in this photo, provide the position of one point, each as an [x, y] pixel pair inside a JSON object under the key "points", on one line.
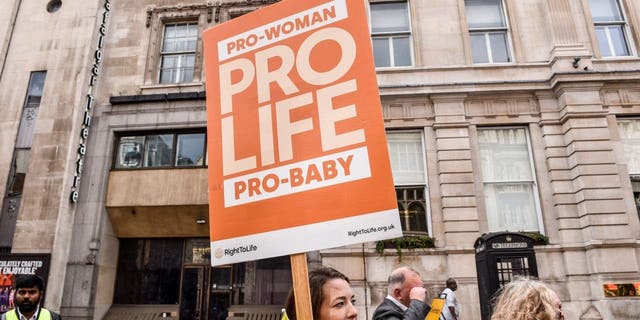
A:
{"points": [[401, 282]]}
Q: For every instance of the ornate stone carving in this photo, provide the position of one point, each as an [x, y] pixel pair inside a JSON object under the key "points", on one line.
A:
{"points": [[501, 107], [149, 15], [406, 108], [209, 11], [207, 7], [622, 97]]}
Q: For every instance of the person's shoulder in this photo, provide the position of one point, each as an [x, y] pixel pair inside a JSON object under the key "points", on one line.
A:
{"points": [[418, 304], [54, 315], [387, 310], [385, 304]]}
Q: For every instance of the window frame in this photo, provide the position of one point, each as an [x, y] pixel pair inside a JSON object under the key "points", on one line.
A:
{"points": [[634, 177], [533, 181], [425, 186], [394, 34], [626, 119], [625, 27], [180, 54], [175, 132], [24, 137], [506, 29], [157, 18]]}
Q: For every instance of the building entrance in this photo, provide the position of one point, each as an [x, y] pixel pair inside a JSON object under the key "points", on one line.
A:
{"points": [[175, 276], [206, 293]]}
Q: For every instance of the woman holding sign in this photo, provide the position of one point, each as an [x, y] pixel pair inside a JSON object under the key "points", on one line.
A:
{"points": [[331, 296]]}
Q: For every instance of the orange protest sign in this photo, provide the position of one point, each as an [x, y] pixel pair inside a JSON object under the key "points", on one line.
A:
{"points": [[298, 159]]}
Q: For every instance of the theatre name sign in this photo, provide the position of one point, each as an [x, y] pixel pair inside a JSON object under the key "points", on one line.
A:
{"points": [[298, 156]]}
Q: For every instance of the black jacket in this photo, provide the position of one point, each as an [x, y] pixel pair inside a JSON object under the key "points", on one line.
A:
{"points": [[388, 310]]}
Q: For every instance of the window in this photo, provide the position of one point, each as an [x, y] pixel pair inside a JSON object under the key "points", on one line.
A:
{"points": [[611, 27], [20, 163], [189, 150], [272, 281], [18, 171], [512, 267], [488, 31], [161, 150], [509, 184], [391, 34], [158, 150], [148, 271], [30, 109], [408, 166], [25, 133], [630, 135], [178, 52]]}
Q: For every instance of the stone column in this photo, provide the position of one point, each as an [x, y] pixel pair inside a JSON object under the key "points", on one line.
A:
{"points": [[459, 207], [602, 213], [591, 216], [567, 44]]}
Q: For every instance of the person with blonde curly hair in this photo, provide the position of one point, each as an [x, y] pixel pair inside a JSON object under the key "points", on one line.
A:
{"points": [[527, 299]]}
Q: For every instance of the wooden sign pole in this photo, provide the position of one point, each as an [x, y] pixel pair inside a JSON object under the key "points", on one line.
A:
{"points": [[301, 292]]}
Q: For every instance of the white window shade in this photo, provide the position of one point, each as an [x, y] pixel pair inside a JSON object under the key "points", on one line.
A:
{"points": [[605, 10], [389, 17], [630, 136], [508, 179], [504, 154], [407, 158], [511, 206], [391, 34], [484, 14]]}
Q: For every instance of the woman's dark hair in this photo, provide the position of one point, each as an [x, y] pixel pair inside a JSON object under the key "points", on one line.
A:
{"points": [[317, 278], [29, 281]]}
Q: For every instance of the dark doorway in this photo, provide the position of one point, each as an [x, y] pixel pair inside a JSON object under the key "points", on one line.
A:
{"points": [[206, 293]]}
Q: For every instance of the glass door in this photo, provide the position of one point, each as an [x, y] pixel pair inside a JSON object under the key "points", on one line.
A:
{"points": [[220, 292], [206, 293], [194, 301]]}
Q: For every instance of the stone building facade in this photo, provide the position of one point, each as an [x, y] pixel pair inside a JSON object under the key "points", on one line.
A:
{"points": [[501, 115]]}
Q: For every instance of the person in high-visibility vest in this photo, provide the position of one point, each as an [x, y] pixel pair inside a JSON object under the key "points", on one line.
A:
{"points": [[29, 290]]}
